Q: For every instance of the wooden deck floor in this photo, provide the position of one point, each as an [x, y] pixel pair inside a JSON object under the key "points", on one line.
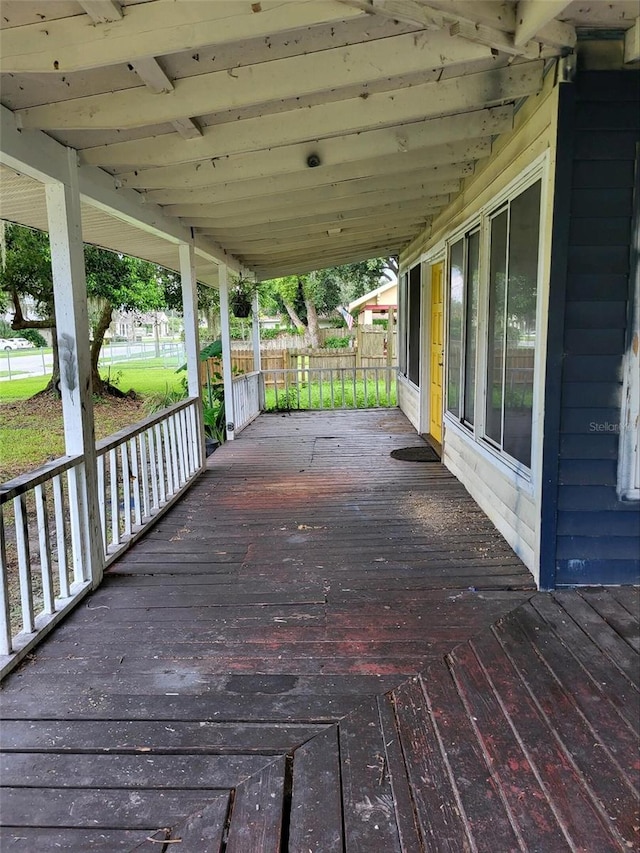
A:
{"points": [[324, 649]]}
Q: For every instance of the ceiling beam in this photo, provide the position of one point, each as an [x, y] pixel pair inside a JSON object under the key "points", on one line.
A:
{"points": [[407, 11], [205, 175], [320, 240], [152, 75], [457, 94], [632, 44], [150, 72], [338, 189], [230, 214], [322, 261], [282, 79], [287, 231], [154, 29], [102, 11], [289, 159], [41, 157], [533, 15], [413, 207]]}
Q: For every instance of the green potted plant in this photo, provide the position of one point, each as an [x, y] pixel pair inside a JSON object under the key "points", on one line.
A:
{"points": [[241, 295]]}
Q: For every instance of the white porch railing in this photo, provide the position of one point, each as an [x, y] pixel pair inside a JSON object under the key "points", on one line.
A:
{"points": [[246, 398], [141, 469], [330, 388], [44, 563]]}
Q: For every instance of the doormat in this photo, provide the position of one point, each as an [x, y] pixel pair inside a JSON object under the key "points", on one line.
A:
{"points": [[416, 454]]}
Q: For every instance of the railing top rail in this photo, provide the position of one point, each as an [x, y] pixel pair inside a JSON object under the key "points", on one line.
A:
{"points": [[115, 440], [242, 377], [24, 482]]}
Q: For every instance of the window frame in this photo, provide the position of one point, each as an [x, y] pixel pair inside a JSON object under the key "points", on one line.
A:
{"points": [[536, 171]]}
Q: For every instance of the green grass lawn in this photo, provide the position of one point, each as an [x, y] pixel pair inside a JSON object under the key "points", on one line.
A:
{"points": [[31, 431], [317, 395]]}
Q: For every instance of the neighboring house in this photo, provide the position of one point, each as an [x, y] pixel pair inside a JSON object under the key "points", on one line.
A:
{"points": [[519, 331], [376, 304], [133, 324]]}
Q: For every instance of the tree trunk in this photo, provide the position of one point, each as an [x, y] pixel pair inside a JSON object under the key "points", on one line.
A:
{"points": [[101, 386], [19, 323], [312, 320], [291, 311]]}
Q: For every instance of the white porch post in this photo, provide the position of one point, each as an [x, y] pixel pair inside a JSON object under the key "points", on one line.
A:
{"points": [[225, 335], [72, 330], [191, 336], [255, 338]]}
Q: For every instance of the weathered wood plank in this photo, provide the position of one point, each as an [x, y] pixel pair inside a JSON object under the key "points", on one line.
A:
{"points": [[601, 774], [624, 623], [368, 805], [589, 697], [481, 766], [256, 811], [602, 634], [619, 690], [103, 808], [26, 839], [30, 769], [316, 802], [584, 821], [406, 818], [144, 737], [441, 823]]}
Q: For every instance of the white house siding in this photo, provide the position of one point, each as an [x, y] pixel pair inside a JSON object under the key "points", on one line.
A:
{"points": [[409, 401]]}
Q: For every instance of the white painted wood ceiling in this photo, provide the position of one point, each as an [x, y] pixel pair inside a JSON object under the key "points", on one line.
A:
{"points": [[216, 109]]}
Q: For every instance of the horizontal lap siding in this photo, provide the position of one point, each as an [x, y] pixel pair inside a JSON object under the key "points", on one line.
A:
{"points": [[598, 537], [409, 402], [510, 508]]}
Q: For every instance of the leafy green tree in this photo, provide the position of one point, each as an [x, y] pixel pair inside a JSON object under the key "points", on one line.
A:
{"points": [[113, 282], [307, 297]]}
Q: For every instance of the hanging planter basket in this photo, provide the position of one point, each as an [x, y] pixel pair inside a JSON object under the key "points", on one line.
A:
{"points": [[240, 299], [240, 305]]}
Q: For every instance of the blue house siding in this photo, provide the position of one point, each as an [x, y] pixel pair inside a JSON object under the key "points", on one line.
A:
{"points": [[588, 535]]}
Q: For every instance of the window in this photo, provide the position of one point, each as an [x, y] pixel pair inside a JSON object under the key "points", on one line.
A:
{"points": [[413, 326], [511, 344], [492, 325], [409, 339], [464, 280]]}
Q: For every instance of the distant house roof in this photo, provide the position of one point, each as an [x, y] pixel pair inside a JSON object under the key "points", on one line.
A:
{"points": [[373, 296]]}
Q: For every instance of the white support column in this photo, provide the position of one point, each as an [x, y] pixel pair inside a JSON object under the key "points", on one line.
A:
{"points": [[223, 283], [72, 329], [191, 336], [255, 338]]}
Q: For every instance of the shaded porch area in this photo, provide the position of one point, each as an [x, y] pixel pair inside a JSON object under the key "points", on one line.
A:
{"points": [[324, 648]]}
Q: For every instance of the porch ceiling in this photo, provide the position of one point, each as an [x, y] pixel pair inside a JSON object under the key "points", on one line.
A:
{"points": [[212, 110]]}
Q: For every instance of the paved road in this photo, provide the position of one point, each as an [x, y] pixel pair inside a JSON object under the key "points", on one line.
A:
{"points": [[38, 363]]}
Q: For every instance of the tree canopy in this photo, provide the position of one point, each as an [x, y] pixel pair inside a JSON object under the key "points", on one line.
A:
{"points": [[114, 282], [306, 297]]}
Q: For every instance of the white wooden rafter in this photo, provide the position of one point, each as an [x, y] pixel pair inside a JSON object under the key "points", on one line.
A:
{"points": [[150, 72], [102, 11], [279, 197], [398, 106], [39, 156], [205, 174], [483, 23], [632, 44], [385, 142], [261, 84], [533, 15], [154, 29]]}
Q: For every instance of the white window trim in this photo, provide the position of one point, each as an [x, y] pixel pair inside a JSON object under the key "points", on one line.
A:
{"points": [[629, 442], [526, 478]]}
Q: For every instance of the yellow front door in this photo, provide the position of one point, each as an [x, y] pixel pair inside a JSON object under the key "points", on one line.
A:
{"points": [[437, 351]]}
